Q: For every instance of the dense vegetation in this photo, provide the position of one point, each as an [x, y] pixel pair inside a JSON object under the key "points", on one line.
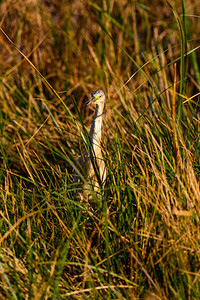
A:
{"points": [[143, 235]]}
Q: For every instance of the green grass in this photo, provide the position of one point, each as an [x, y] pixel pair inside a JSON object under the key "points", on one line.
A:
{"points": [[142, 235]]}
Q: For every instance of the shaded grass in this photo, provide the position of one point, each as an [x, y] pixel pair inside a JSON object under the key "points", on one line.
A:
{"points": [[143, 234]]}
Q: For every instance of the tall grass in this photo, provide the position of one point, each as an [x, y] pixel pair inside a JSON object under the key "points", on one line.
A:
{"points": [[141, 237]]}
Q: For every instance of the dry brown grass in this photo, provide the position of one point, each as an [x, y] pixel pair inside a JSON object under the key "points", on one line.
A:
{"points": [[144, 235]]}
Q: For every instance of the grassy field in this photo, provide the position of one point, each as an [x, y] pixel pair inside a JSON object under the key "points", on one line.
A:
{"points": [[142, 236]]}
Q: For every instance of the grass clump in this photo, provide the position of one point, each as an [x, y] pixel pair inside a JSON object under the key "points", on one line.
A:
{"points": [[142, 236]]}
